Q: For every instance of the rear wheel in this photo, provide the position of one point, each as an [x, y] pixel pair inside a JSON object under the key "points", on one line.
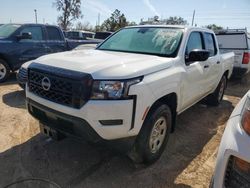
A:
{"points": [[216, 97], [153, 137], [4, 70]]}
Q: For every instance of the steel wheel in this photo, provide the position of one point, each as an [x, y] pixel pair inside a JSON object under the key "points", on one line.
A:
{"points": [[3, 71], [158, 134], [153, 136]]}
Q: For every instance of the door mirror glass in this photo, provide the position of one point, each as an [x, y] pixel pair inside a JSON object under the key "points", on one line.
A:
{"points": [[197, 55], [24, 36]]}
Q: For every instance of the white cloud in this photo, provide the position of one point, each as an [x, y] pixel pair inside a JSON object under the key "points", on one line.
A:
{"points": [[97, 6], [151, 7]]}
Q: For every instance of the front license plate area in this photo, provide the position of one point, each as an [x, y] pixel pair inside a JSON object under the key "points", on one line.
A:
{"points": [[54, 134]]}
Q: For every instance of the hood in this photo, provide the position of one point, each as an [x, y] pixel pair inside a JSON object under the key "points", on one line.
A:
{"points": [[107, 64]]}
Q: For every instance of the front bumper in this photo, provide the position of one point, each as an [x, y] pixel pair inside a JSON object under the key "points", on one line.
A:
{"points": [[64, 123], [99, 115], [235, 143]]}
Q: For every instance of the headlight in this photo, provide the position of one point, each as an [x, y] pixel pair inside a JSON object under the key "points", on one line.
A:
{"points": [[112, 89], [245, 121]]}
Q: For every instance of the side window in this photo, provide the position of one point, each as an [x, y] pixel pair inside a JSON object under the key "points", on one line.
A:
{"points": [[210, 44], [53, 33], [35, 31], [194, 42]]}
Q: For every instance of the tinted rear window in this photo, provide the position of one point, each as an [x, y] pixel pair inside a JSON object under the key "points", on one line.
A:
{"points": [[232, 41], [73, 34], [101, 35], [54, 33]]}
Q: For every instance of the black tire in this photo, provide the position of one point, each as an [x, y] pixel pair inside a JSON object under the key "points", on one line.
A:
{"points": [[142, 153], [4, 70], [216, 97], [211, 184]]}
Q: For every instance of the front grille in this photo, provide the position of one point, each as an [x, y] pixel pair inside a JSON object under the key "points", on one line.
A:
{"points": [[22, 75], [63, 89], [235, 178]]}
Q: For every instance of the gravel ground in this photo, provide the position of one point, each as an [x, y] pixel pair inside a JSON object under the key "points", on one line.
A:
{"points": [[188, 160]]}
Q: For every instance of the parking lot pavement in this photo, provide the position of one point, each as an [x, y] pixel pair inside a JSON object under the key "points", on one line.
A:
{"points": [[188, 160]]}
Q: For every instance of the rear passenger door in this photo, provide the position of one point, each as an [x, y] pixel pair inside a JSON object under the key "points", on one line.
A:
{"points": [[55, 40], [215, 68]]}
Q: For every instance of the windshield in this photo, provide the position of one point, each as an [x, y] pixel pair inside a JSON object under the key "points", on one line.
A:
{"points": [[145, 40], [8, 29]]}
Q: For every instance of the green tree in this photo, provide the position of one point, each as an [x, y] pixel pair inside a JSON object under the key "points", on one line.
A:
{"points": [[214, 27], [116, 21], [175, 20], [70, 10]]}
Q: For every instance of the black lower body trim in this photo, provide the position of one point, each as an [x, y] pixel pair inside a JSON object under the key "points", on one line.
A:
{"points": [[111, 122], [133, 112]]}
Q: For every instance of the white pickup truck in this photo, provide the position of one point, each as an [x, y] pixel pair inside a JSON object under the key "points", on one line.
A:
{"points": [[133, 85], [237, 41]]}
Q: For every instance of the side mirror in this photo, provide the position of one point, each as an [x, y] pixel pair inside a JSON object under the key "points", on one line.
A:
{"points": [[24, 36], [197, 55]]}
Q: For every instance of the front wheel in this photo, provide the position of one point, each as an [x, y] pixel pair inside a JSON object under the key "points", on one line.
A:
{"points": [[4, 70], [153, 137], [216, 97]]}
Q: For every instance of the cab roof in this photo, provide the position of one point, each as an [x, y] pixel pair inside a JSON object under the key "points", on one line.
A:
{"points": [[186, 27]]}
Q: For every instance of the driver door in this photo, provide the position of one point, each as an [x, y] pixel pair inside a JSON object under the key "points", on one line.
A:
{"points": [[194, 81], [29, 49]]}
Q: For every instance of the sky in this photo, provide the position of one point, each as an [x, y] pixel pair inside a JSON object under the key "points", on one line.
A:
{"points": [[226, 13]]}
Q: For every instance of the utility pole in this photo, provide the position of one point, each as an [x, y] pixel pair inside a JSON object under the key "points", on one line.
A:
{"points": [[193, 18], [35, 15], [99, 19]]}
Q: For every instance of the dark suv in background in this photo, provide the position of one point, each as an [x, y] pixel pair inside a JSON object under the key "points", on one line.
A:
{"points": [[20, 43]]}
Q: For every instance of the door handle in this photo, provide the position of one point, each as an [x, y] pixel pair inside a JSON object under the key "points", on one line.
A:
{"points": [[206, 66], [218, 62]]}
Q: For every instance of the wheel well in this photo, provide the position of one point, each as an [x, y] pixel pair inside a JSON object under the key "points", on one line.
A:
{"points": [[3, 58], [171, 101]]}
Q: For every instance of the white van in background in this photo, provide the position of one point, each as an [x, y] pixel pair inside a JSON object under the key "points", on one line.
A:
{"points": [[238, 41], [80, 35]]}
